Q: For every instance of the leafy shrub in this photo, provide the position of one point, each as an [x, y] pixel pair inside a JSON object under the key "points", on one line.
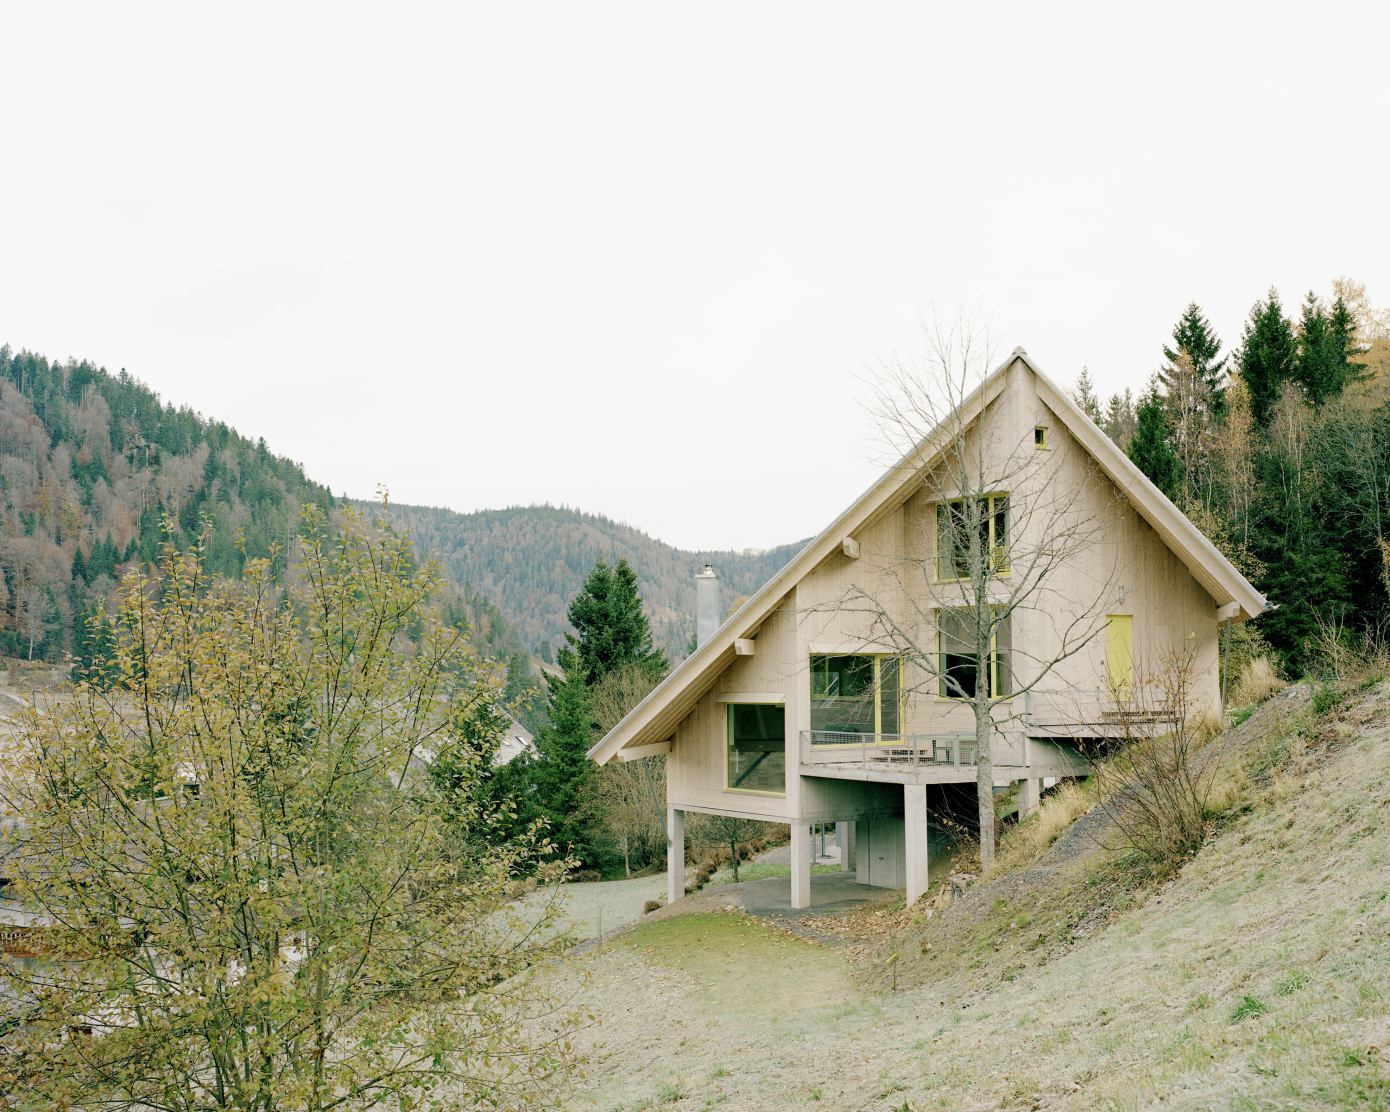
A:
{"points": [[1326, 699]]}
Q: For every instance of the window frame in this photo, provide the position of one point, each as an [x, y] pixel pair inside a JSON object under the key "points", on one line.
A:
{"points": [[729, 709], [941, 687], [878, 659], [996, 549], [1040, 442]]}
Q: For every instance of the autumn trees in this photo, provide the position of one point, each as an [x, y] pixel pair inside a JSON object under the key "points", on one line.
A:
{"points": [[247, 893], [93, 467]]}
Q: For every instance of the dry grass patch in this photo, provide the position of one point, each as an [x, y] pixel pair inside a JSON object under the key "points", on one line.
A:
{"points": [[1027, 841], [1259, 679]]}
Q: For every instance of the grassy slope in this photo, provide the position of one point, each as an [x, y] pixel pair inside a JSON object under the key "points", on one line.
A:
{"points": [[1258, 978]]}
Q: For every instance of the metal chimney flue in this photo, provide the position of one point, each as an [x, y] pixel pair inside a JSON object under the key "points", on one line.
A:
{"points": [[706, 604]]}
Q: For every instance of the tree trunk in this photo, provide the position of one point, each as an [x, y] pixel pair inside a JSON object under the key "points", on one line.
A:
{"points": [[984, 779], [733, 858], [627, 865]]}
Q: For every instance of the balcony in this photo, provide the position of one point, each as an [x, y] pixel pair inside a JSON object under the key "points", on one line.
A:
{"points": [[917, 758]]}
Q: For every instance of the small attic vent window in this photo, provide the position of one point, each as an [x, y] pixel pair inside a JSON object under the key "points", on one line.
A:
{"points": [[1039, 436]]}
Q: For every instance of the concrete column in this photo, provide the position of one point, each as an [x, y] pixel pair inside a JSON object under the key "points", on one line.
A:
{"points": [[915, 831], [801, 864], [846, 838], [675, 854], [1029, 792]]}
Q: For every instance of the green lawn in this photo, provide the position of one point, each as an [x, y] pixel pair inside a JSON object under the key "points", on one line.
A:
{"points": [[761, 870], [738, 961]]}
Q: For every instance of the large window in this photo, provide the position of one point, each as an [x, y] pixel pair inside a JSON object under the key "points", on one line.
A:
{"points": [[858, 693], [961, 669], [988, 516], [758, 748]]}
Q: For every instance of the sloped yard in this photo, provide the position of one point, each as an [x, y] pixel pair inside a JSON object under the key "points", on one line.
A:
{"points": [[1258, 978]]}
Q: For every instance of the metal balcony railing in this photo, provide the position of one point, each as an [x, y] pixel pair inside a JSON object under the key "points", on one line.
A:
{"points": [[886, 751]]}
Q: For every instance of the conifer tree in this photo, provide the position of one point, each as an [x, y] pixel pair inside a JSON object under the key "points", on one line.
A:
{"points": [[1268, 356], [1193, 337], [1119, 419], [611, 627], [1150, 449], [1325, 340], [611, 633], [562, 775], [1085, 396]]}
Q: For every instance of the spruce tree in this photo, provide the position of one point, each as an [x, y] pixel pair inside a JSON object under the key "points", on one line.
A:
{"points": [[1194, 338], [1314, 371], [1325, 341], [1342, 324], [1119, 419], [611, 632], [1085, 396], [562, 775], [611, 628], [1268, 355], [1150, 449]]}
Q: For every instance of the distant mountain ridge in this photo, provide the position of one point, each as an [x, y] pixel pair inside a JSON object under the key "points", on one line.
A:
{"points": [[97, 471], [532, 560]]}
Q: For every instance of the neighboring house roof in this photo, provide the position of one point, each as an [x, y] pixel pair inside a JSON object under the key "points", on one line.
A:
{"points": [[517, 741], [654, 719]]}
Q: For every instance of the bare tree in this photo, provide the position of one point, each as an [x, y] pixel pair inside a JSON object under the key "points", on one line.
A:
{"points": [[631, 795], [1156, 781], [32, 614], [727, 831], [1188, 399], [1007, 513]]}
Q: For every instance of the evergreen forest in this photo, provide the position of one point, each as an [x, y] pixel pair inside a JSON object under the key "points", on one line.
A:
{"points": [[1279, 450]]}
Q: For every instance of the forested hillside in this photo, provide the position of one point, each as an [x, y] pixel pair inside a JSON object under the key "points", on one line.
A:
{"points": [[533, 560], [1279, 449], [92, 465]]}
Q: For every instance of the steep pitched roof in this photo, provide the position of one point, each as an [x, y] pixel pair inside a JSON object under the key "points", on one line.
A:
{"points": [[655, 718]]}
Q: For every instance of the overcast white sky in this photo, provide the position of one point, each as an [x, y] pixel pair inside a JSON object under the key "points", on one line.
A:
{"points": [[636, 258]]}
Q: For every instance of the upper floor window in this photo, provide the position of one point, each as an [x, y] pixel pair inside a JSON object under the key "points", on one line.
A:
{"points": [[962, 669], [987, 517], [856, 693]]}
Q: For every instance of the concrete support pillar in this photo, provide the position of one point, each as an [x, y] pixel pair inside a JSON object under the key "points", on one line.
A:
{"points": [[675, 854], [915, 831], [1029, 793], [846, 839], [801, 864]]}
